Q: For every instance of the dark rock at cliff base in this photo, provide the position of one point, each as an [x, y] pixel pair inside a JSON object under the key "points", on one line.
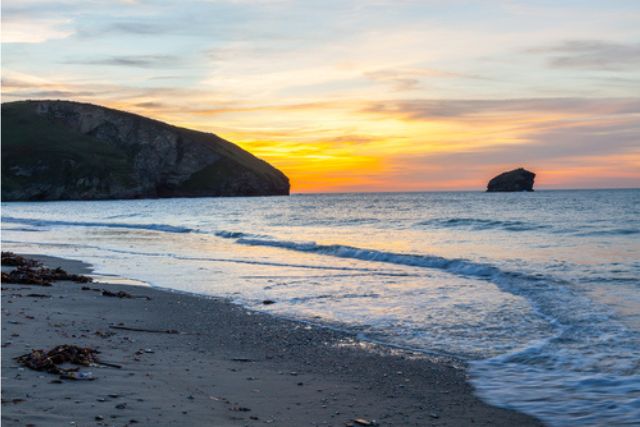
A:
{"points": [[62, 150], [516, 180]]}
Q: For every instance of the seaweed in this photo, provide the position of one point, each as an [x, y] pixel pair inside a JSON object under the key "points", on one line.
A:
{"points": [[14, 260], [41, 276], [50, 361]]}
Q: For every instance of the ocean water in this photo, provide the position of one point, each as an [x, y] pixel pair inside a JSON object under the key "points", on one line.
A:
{"points": [[538, 292]]}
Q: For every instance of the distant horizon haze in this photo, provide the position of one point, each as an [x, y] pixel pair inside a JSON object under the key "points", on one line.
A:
{"points": [[468, 190]]}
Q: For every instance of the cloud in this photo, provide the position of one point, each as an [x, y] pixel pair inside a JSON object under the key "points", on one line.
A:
{"points": [[23, 30], [399, 81], [17, 86], [55, 94], [555, 145], [591, 54], [428, 109], [594, 151], [137, 61], [151, 105], [585, 156], [135, 28], [573, 142], [405, 79]]}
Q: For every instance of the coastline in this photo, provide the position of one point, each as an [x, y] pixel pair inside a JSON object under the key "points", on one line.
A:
{"points": [[226, 366]]}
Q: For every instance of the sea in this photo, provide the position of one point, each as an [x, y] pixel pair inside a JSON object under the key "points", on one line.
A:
{"points": [[537, 293]]}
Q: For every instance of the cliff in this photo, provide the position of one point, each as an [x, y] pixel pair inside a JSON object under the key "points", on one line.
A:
{"points": [[61, 150], [516, 180]]}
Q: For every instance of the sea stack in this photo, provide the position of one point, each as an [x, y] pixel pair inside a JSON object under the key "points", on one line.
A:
{"points": [[516, 180], [62, 150]]}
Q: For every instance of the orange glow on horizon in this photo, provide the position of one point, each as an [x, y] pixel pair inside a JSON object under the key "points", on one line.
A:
{"points": [[349, 146], [325, 147]]}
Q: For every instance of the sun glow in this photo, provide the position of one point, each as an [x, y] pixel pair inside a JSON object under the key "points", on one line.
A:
{"points": [[324, 149]]}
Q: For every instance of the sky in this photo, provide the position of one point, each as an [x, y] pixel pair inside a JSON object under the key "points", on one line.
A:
{"points": [[377, 95]]}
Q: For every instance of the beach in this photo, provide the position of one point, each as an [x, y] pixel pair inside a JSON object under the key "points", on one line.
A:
{"points": [[203, 361]]}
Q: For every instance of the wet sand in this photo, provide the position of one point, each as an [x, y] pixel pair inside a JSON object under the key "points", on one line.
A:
{"points": [[226, 366]]}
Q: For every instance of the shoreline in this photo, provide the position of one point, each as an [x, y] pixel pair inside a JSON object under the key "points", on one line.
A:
{"points": [[227, 366]]}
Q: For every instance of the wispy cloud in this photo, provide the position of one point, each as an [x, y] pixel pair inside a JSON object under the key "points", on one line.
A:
{"points": [[406, 79], [591, 54], [580, 155], [429, 109], [135, 28], [26, 30], [137, 61]]}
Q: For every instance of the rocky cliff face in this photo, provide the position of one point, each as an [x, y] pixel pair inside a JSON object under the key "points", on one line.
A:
{"points": [[57, 150], [516, 180]]}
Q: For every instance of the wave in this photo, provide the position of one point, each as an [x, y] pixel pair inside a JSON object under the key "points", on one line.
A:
{"points": [[76, 246], [166, 228], [457, 266], [481, 224], [609, 232], [29, 230], [307, 221], [44, 223], [575, 356], [547, 295], [232, 234]]}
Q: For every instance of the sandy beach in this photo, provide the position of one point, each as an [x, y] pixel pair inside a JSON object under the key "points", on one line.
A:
{"points": [[206, 362]]}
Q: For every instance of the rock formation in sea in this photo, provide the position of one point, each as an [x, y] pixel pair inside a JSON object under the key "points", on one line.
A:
{"points": [[516, 180], [62, 150]]}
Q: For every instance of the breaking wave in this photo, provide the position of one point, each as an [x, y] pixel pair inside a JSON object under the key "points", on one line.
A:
{"points": [[481, 224], [44, 223]]}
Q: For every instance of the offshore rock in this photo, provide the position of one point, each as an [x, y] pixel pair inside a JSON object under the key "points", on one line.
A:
{"points": [[63, 150], [516, 180]]}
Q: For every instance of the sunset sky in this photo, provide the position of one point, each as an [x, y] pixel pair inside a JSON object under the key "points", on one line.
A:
{"points": [[358, 95]]}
